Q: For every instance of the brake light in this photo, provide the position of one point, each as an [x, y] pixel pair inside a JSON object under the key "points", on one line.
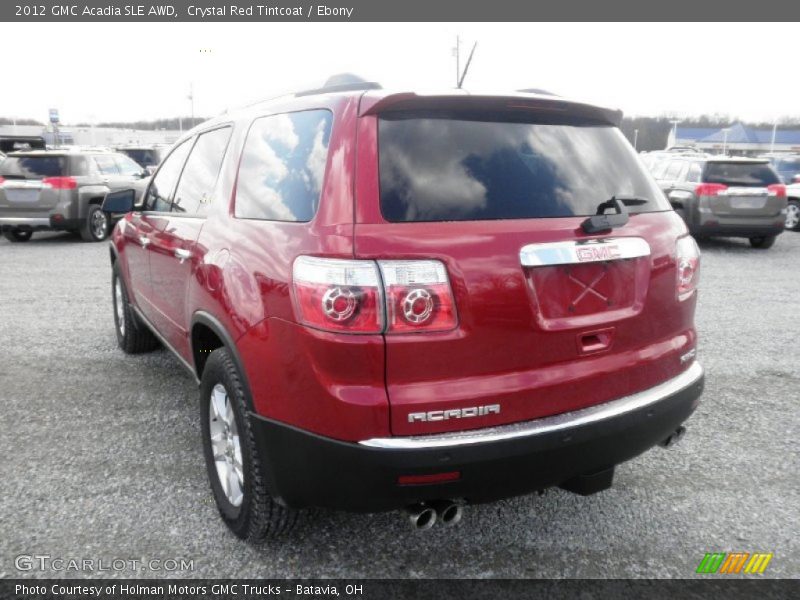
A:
{"points": [[688, 262], [777, 189], [2, 180], [338, 295], [710, 189], [349, 295], [418, 296], [61, 183], [429, 478]]}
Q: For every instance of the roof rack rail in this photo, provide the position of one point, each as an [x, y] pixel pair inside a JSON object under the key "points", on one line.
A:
{"points": [[342, 82], [536, 91]]}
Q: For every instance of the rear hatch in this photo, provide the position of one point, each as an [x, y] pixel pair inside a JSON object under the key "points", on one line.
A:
{"points": [[737, 188], [31, 183], [550, 318]]}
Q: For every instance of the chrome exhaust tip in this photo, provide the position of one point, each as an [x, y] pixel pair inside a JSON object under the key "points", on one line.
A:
{"points": [[674, 437], [448, 511], [421, 516]]}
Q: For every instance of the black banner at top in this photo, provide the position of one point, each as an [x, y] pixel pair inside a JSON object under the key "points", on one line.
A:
{"points": [[405, 10]]}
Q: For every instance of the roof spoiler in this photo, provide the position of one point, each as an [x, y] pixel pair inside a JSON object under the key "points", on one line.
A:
{"points": [[513, 103]]}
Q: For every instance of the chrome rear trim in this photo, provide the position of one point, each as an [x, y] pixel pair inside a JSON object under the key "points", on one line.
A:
{"points": [[577, 252], [578, 418], [29, 221]]}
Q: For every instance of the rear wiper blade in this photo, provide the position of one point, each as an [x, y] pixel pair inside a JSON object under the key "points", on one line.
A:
{"points": [[606, 222]]}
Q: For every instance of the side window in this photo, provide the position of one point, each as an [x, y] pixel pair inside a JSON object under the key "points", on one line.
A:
{"points": [[193, 193], [695, 171], [159, 194], [106, 164], [283, 166], [126, 166]]}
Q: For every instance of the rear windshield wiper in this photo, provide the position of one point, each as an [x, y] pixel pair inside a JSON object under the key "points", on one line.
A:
{"points": [[606, 222]]}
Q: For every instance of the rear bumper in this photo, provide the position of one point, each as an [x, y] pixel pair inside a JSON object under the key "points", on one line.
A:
{"points": [[47, 223], [753, 228], [305, 469]]}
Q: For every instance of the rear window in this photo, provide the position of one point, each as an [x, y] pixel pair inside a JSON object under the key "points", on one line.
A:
{"points": [[144, 157], [32, 167], [449, 169], [741, 174]]}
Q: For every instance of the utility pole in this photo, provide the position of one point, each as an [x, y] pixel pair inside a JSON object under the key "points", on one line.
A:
{"points": [[457, 50], [774, 130], [191, 100], [635, 138], [725, 141]]}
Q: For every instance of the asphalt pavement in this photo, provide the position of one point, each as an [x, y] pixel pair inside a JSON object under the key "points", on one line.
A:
{"points": [[102, 458]]}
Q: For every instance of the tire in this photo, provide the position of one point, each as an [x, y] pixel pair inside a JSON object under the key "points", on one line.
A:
{"points": [[793, 215], [96, 225], [18, 235], [133, 336], [246, 508], [763, 242]]}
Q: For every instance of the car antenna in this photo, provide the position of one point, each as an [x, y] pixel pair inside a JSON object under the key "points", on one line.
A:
{"points": [[466, 67]]}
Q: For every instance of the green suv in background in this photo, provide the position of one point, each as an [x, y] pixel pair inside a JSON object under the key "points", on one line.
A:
{"points": [[51, 190]]}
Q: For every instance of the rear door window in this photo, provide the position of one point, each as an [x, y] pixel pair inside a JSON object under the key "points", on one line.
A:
{"points": [[159, 194], [32, 167], [126, 166], [744, 174], [193, 193], [450, 168], [283, 166]]}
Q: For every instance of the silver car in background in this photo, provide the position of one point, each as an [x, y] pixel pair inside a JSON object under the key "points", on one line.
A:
{"points": [[50, 190]]}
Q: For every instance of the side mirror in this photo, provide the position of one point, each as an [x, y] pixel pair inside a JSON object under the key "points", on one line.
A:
{"points": [[119, 202]]}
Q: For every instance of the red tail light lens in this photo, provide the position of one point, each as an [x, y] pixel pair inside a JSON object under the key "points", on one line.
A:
{"points": [[418, 296], [688, 264], [61, 183], [710, 189], [349, 296], [2, 180], [429, 478], [777, 189], [338, 295]]}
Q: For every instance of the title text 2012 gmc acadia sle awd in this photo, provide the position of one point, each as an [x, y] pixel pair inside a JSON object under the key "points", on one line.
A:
{"points": [[398, 300]]}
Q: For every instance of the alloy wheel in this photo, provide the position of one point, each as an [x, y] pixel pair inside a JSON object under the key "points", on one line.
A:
{"points": [[225, 445]]}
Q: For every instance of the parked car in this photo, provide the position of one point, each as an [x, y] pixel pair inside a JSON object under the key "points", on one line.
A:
{"points": [[149, 157], [787, 166], [793, 207], [398, 300], [60, 191], [726, 196], [18, 143]]}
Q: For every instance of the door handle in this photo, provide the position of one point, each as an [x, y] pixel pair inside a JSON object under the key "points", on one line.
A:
{"points": [[182, 254], [144, 241]]}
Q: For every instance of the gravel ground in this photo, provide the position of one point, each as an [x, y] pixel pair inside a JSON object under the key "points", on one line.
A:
{"points": [[102, 451]]}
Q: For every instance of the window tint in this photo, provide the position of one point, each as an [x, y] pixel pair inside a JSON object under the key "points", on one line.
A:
{"points": [[200, 174], [32, 167], [159, 194], [741, 174], [106, 165], [126, 166], [695, 173], [448, 169], [283, 166]]}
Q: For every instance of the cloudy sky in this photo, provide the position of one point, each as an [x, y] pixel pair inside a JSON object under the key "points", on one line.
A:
{"points": [[120, 71]]}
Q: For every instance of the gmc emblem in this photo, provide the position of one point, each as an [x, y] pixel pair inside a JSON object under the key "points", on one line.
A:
{"points": [[597, 253], [455, 413]]}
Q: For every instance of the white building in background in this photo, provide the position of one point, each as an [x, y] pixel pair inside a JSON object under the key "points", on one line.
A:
{"points": [[94, 136]]}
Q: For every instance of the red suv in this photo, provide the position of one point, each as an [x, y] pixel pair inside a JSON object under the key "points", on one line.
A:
{"points": [[399, 300]]}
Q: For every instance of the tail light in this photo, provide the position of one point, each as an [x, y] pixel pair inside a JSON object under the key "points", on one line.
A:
{"points": [[688, 261], [710, 189], [418, 296], [777, 189], [2, 180], [338, 295], [362, 296], [61, 183]]}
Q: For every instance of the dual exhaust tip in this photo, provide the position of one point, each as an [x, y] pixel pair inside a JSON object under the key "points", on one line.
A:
{"points": [[423, 516]]}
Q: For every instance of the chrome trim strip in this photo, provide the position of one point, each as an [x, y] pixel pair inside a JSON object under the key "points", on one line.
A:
{"points": [[582, 251], [578, 418], [32, 221]]}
